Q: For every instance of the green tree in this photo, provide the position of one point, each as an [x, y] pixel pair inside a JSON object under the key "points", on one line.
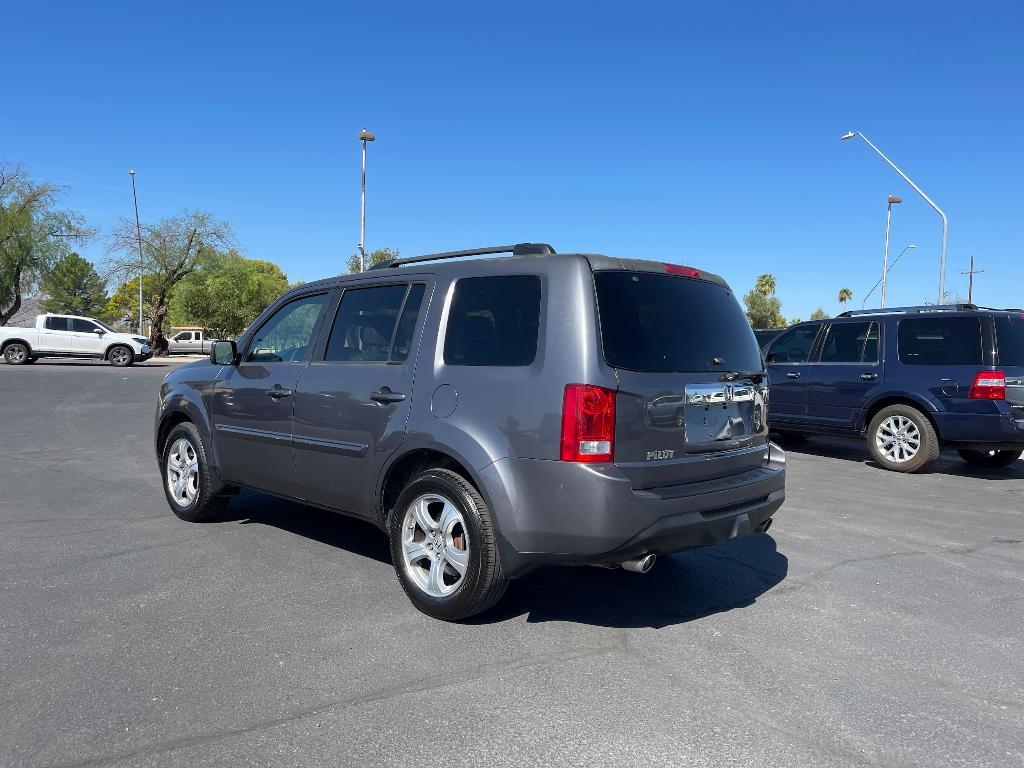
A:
{"points": [[227, 293], [33, 235], [72, 287], [845, 295], [765, 285], [819, 314], [764, 310], [172, 249], [372, 258], [795, 320], [123, 304]]}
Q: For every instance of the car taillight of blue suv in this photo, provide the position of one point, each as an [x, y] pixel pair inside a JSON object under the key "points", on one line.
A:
{"points": [[910, 380]]}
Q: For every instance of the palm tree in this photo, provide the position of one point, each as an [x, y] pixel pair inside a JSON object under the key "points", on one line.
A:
{"points": [[845, 295], [765, 285]]}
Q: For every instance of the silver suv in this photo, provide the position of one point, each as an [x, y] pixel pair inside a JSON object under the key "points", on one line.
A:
{"points": [[490, 415]]}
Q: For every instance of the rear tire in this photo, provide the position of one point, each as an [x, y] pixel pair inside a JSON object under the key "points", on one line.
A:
{"points": [[121, 356], [31, 360], [188, 484], [443, 547], [990, 458], [902, 439], [16, 354]]}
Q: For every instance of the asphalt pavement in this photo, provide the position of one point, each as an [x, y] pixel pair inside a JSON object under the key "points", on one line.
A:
{"points": [[879, 623]]}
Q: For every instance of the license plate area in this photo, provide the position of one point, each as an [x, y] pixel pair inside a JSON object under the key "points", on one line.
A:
{"points": [[718, 417]]}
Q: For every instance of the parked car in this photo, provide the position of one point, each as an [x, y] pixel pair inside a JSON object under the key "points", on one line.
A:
{"points": [[910, 380], [765, 336], [72, 336], [490, 415], [193, 341]]}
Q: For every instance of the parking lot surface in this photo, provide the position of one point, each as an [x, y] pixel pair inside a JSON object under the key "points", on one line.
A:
{"points": [[879, 623]]}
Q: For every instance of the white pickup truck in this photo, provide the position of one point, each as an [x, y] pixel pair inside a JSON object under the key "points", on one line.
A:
{"points": [[71, 336]]}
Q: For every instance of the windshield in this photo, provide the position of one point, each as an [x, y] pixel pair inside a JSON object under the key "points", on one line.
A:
{"points": [[669, 324], [1010, 339], [103, 325]]}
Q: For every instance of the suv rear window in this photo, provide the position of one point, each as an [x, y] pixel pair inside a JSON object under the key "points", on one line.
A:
{"points": [[670, 324], [1010, 339], [940, 341], [493, 321]]}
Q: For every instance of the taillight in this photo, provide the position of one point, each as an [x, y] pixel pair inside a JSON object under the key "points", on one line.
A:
{"points": [[588, 423], [989, 385], [678, 269]]}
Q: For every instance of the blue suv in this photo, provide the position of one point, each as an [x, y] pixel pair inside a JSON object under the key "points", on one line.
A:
{"points": [[910, 380]]}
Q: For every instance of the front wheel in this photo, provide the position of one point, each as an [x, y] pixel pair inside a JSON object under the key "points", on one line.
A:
{"points": [[902, 439], [443, 547], [188, 484], [16, 354], [121, 356], [990, 458]]}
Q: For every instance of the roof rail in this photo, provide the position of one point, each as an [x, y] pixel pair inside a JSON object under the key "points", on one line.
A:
{"points": [[910, 310], [519, 249]]}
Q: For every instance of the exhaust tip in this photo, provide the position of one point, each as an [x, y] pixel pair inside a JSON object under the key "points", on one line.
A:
{"points": [[642, 564], [764, 526]]}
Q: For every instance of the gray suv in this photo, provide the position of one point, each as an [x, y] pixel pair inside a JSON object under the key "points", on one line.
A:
{"points": [[490, 415]]}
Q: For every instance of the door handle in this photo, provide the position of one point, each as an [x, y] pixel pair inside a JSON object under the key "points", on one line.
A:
{"points": [[385, 396], [277, 393], [792, 375], [868, 376]]}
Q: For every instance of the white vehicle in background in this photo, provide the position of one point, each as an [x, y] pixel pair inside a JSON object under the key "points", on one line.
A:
{"points": [[189, 341], [72, 336]]}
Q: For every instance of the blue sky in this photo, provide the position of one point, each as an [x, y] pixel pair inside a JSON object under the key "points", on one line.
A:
{"points": [[705, 133]]}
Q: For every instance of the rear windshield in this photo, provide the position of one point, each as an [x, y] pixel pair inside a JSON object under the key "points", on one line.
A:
{"points": [[1010, 339], [669, 323]]}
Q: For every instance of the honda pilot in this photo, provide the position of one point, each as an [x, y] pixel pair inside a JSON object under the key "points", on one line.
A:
{"points": [[490, 415]]}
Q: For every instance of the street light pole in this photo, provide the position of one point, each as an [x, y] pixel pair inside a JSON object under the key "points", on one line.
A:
{"points": [[945, 221], [893, 200], [879, 281], [364, 136], [138, 232]]}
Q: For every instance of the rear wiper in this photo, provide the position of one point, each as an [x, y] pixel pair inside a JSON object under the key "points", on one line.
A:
{"points": [[733, 375]]}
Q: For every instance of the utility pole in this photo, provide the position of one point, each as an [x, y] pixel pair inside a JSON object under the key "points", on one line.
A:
{"points": [[138, 232], [364, 136], [970, 281]]}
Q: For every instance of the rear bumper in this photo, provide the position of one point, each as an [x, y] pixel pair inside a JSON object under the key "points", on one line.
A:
{"points": [[981, 429], [551, 512]]}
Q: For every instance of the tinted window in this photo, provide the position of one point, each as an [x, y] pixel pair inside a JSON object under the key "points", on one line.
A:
{"points": [[1010, 338], [82, 326], [288, 332], [407, 324], [184, 336], [493, 321], [365, 324], [794, 346], [671, 323], [851, 343], [57, 323], [940, 341]]}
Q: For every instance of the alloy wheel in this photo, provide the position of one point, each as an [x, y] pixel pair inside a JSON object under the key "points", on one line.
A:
{"points": [[119, 356], [183, 472], [435, 547], [898, 439]]}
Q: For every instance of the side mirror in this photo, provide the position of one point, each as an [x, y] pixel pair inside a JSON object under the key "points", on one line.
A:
{"points": [[99, 331], [224, 353]]}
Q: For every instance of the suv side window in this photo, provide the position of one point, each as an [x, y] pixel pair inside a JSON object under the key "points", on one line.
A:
{"points": [[851, 343], [940, 341], [794, 346], [57, 324], [82, 326], [365, 324], [288, 333], [493, 321]]}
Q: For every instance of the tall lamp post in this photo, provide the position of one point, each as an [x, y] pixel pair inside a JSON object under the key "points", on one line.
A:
{"points": [[895, 261], [364, 136], [893, 200], [945, 221], [138, 232]]}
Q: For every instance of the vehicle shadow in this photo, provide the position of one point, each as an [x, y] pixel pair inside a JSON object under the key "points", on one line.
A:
{"points": [[853, 449], [680, 588], [336, 530], [54, 363]]}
